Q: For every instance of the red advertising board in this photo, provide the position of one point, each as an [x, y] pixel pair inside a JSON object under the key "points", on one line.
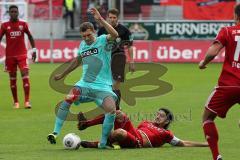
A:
{"points": [[63, 50], [177, 51]]}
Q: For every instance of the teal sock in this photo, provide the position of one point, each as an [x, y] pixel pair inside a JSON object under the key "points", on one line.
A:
{"points": [[107, 126], [61, 116]]}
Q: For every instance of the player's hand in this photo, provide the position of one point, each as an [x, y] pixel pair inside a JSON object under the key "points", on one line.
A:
{"points": [[58, 77], [34, 56], [132, 67], [95, 13], [201, 65]]}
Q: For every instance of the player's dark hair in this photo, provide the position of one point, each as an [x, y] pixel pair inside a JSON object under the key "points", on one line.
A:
{"points": [[12, 6], [86, 25], [113, 11], [169, 115], [237, 10]]}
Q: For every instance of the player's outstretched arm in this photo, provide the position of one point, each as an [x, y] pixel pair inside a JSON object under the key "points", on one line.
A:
{"points": [[113, 34], [183, 143], [212, 52], [72, 66]]}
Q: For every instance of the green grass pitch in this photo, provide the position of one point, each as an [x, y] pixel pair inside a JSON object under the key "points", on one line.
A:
{"points": [[23, 132]]}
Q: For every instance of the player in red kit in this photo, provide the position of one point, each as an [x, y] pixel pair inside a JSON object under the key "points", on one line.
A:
{"points": [[16, 53], [147, 134], [227, 92]]}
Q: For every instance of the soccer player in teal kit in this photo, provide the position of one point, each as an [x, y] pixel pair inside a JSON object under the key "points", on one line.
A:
{"points": [[96, 81]]}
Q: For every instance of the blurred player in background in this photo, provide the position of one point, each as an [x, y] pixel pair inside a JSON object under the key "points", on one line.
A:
{"points": [[226, 93], [96, 82], [123, 40], [16, 53], [147, 134]]}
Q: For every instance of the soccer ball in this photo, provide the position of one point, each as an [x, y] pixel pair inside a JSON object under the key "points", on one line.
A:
{"points": [[71, 141]]}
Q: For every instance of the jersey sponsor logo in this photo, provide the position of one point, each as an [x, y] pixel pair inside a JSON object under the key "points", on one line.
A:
{"points": [[20, 27], [118, 39], [160, 130], [15, 33], [89, 52]]}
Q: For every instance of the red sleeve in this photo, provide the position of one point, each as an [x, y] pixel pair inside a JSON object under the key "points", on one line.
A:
{"points": [[169, 136], [26, 29], [222, 36], [2, 30]]}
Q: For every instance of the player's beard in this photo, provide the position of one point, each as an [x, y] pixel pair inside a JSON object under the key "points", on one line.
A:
{"points": [[90, 41], [14, 19]]}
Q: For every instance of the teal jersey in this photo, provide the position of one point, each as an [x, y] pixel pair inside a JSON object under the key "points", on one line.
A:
{"points": [[96, 59]]}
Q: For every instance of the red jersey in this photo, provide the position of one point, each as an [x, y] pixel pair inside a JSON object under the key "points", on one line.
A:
{"points": [[157, 136], [229, 37], [14, 32]]}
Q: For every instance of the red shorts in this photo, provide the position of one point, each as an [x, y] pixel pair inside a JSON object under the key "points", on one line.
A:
{"points": [[12, 63], [127, 125], [222, 99]]}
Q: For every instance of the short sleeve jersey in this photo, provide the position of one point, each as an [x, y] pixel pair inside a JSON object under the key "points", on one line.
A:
{"points": [[157, 136], [14, 32], [229, 37], [96, 59]]}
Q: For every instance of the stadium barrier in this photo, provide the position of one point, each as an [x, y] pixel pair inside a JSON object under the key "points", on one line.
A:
{"points": [[177, 51]]}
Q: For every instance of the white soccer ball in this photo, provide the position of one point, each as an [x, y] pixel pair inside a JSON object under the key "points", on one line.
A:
{"points": [[71, 141]]}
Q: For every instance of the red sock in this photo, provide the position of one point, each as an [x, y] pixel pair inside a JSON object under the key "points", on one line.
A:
{"points": [[26, 87], [129, 141], [98, 120], [211, 135], [13, 86]]}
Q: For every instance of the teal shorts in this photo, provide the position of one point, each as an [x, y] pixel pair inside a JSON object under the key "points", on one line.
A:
{"points": [[96, 93]]}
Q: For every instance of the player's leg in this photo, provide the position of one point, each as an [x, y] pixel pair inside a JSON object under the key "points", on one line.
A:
{"points": [[117, 91], [124, 138], [11, 68], [84, 123], [211, 132], [63, 112], [118, 72], [120, 136], [120, 122], [24, 69], [13, 86], [26, 87], [218, 104], [109, 118]]}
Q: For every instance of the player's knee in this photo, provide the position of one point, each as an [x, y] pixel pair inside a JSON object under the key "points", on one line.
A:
{"points": [[113, 110], [208, 115], [73, 96], [12, 74], [109, 105], [24, 72], [119, 134]]}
